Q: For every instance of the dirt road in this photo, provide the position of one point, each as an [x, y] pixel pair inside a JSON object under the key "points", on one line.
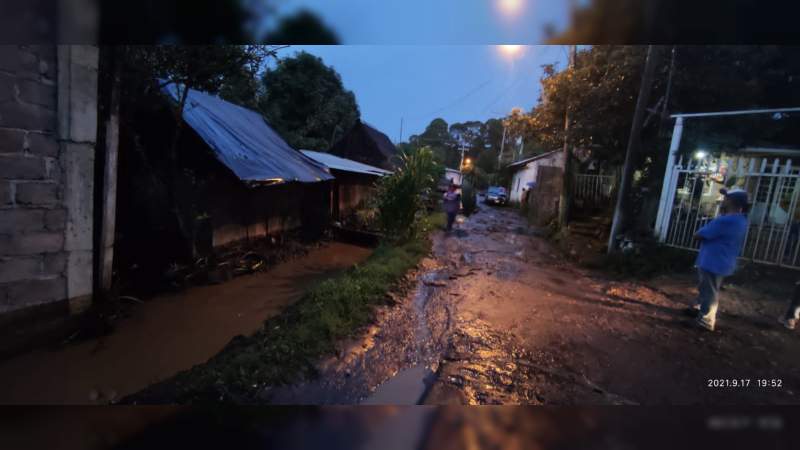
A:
{"points": [[498, 317], [579, 338]]}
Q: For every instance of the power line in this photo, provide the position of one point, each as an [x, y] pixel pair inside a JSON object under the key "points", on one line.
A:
{"points": [[460, 99], [504, 93]]}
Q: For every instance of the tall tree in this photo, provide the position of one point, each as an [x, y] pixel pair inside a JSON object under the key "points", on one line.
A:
{"points": [[306, 102], [304, 27], [437, 136]]}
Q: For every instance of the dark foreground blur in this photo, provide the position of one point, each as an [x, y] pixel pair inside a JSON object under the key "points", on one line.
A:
{"points": [[394, 427], [314, 22]]}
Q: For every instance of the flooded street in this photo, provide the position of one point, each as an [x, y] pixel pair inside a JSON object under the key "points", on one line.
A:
{"points": [[497, 316], [167, 334], [494, 315]]}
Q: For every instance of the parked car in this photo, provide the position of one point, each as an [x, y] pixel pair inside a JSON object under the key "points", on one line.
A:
{"points": [[496, 195]]}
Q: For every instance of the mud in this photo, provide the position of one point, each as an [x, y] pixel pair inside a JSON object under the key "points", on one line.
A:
{"points": [[404, 336], [167, 334], [531, 327], [501, 318]]}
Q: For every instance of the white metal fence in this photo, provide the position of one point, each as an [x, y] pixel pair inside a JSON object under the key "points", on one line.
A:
{"points": [[693, 200], [595, 189]]}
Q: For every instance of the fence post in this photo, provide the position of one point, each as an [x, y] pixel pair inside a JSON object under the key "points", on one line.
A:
{"points": [[665, 208]]}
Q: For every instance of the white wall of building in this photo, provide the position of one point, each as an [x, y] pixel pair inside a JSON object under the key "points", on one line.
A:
{"points": [[529, 172], [454, 176]]}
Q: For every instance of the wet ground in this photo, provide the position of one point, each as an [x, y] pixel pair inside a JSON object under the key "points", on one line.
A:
{"points": [[533, 328], [496, 316], [167, 334]]}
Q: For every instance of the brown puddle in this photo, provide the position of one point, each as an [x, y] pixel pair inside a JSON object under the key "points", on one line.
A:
{"points": [[168, 334]]}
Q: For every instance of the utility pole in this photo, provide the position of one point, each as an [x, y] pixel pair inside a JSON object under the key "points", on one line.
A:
{"points": [[665, 106], [634, 139], [401, 131], [502, 146], [566, 185]]}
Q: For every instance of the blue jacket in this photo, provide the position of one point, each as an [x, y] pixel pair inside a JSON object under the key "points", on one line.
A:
{"points": [[722, 242]]}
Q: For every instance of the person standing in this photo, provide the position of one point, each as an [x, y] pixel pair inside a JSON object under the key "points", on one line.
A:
{"points": [[789, 320], [721, 241], [452, 203]]}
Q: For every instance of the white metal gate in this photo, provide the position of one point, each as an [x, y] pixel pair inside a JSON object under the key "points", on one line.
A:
{"points": [[595, 189], [772, 185]]}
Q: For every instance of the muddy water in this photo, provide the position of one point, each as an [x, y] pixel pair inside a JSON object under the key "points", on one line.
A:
{"points": [[167, 334], [391, 363]]}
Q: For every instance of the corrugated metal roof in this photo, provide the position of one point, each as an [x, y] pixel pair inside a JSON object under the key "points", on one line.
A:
{"points": [[531, 159], [242, 140], [344, 164]]}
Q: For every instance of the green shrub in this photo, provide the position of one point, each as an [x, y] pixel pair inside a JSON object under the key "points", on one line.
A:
{"points": [[401, 197]]}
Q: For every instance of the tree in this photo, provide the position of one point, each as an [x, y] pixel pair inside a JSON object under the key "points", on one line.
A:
{"points": [[603, 89], [303, 27], [521, 140], [600, 92], [242, 87], [438, 138], [306, 102]]}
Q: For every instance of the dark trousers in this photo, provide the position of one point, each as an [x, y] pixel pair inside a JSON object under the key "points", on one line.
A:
{"points": [[451, 217]]}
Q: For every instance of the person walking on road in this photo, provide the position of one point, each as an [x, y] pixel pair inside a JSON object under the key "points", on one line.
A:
{"points": [[452, 203], [789, 320], [721, 242]]}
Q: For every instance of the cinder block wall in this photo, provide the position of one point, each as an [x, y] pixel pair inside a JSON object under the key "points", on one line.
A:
{"points": [[48, 127]]}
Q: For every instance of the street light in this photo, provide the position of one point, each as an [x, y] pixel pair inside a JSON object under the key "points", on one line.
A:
{"points": [[510, 7], [510, 51], [700, 154]]}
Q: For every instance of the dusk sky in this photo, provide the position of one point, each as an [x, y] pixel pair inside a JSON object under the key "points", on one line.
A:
{"points": [[439, 21], [421, 83]]}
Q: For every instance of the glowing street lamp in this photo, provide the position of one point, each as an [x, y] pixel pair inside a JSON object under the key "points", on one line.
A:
{"points": [[510, 7], [510, 51], [700, 154]]}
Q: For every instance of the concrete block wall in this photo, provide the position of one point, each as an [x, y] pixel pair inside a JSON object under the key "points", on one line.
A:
{"points": [[48, 120]]}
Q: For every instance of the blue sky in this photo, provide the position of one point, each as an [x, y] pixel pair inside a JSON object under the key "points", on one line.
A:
{"points": [[437, 21], [420, 83]]}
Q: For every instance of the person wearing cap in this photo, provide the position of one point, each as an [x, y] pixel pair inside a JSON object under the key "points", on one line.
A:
{"points": [[721, 242]]}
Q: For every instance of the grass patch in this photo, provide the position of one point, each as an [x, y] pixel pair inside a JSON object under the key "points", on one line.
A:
{"points": [[288, 346]]}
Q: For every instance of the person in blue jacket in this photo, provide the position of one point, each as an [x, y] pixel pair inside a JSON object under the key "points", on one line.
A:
{"points": [[721, 241]]}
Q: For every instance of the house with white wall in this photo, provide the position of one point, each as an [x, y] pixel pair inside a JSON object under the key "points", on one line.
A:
{"points": [[526, 170], [453, 176]]}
